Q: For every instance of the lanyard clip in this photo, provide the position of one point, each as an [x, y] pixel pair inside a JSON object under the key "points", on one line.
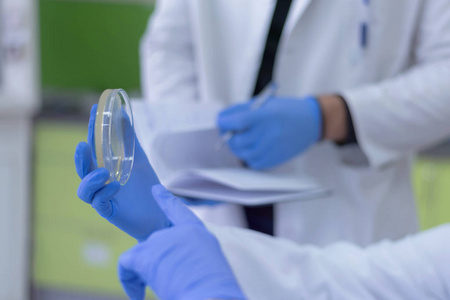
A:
{"points": [[364, 26]]}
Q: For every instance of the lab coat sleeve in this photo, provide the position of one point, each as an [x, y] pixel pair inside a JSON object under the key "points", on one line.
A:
{"points": [[167, 62], [410, 112], [274, 268]]}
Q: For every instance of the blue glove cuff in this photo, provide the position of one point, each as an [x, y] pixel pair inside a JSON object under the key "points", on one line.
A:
{"points": [[317, 114]]}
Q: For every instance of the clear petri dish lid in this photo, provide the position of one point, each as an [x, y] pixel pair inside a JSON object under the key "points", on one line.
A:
{"points": [[114, 135]]}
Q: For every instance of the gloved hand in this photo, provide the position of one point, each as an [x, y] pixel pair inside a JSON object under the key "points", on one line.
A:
{"points": [[130, 207], [274, 133], [184, 261]]}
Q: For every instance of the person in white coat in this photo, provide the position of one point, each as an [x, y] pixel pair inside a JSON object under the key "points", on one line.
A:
{"points": [[181, 259], [171, 262], [381, 67]]}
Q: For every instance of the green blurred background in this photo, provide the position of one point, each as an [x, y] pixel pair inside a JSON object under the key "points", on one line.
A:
{"points": [[91, 45], [86, 47]]}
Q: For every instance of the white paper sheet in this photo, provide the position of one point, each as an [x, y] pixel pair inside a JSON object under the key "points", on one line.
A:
{"points": [[207, 189], [183, 153], [248, 180], [193, 149]]}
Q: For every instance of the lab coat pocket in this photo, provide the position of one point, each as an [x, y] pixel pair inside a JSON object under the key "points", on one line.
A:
{"points": [[377, 189], [363, 183], [353, 156]]}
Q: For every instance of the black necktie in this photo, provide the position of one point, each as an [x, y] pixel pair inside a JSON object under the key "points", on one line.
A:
{"points": [[260, 218]]}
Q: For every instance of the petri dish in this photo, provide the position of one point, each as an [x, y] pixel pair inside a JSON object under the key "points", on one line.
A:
{"points": [[114, 135]]}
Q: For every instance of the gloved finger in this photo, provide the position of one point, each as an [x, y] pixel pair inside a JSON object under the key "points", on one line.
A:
{"points": [[244, 107], [247, 152], [239, 153], [130, 280], [237, 122], [84, 163], [175, 211], [91, 130], [238, 108], [92, 183], [243, 140], [262, 164], [261, 158], [250, 156], [102, 199]]}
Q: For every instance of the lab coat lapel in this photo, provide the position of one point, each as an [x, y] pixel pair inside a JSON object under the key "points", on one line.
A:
{"points": [[298, 7]]}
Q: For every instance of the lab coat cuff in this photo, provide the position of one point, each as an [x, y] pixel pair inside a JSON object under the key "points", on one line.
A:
{"points": [[362, 103], [425, 256], [351, 135]]}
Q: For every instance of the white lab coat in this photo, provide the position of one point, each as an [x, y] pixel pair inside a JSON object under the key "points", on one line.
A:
{"points": [[397, 89], [414, 268]]}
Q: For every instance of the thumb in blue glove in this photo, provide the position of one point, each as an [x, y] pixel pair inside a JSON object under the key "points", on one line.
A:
{"points": [[130, 207], [184, 261], [274, 133]]}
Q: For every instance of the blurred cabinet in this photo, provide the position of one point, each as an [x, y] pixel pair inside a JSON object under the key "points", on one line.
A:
{"points": [[18, 101], [15, 213], [75, 251]]}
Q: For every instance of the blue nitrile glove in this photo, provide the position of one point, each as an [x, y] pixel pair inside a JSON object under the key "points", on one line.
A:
{"points": [[274, 133], [130, 207], [199, 202], [184, 261]]}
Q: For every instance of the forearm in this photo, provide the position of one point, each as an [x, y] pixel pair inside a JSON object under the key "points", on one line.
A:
{"points": [[402, 115], [335, 118], [406, 112], [413, 268], [398, 116]]}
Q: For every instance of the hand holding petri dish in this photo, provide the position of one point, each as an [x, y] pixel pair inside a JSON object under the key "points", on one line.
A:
{"points": [[114, 135]]}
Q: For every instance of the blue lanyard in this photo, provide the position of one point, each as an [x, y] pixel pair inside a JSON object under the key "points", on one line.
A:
{"points": [[364, 30]]}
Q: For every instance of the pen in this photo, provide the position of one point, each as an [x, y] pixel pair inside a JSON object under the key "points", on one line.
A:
{"points": [[265, 94], [364, 31]]}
